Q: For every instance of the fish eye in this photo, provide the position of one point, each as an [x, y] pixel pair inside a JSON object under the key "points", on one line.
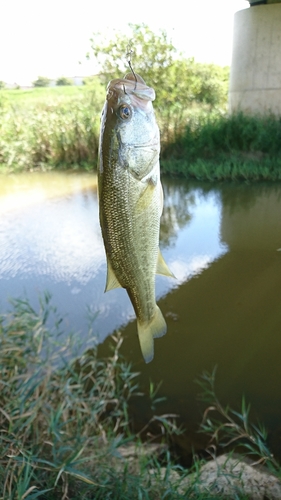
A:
{"points": [[125, 112]]}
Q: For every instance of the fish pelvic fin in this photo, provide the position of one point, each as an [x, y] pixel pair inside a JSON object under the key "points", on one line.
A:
{"points": [[148, 332], [162, 267], [111, 280]]}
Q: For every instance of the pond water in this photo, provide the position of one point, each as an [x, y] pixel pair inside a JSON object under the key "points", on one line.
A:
{"points": [[222, 242]]}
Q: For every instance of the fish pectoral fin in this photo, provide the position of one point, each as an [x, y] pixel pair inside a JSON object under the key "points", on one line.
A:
{"points": [[162, 267], [148, 331], [111, 280], [145, 198]]}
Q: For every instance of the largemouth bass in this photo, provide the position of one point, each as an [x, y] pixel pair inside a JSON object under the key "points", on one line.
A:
{"points": [[131, 201]]}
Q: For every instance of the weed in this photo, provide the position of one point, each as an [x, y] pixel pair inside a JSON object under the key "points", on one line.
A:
{"points": [[221, 147], [230, 429], [46, 129], [64, 420], [59, 128]]}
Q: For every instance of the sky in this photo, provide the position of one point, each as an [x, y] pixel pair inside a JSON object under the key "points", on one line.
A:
{"points": [[51, 37]]}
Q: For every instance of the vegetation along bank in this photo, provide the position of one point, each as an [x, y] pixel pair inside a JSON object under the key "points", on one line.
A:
{"points": [[58, 127], [65, 426]]}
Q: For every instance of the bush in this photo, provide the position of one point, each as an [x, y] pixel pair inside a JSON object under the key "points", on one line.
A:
{"points": [[63, 80], [42, 81], [179, 82]]}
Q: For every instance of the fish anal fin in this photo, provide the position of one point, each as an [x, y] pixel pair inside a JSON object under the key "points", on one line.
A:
{"points": [[162, 267], [148, 331], [111, 280]]}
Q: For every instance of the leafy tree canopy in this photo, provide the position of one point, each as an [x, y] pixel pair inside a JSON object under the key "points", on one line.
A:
{"points": [[63, 80], [42, 81], [177, 80], [156, 59], [151, 53]]}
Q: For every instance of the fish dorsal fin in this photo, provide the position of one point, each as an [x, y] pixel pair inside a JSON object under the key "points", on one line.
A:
{"points": [[111, 280], [162, 267]]}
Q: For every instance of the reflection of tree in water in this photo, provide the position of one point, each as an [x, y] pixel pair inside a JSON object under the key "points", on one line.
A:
{"points": [[242, 195], [250, 217], [178, 198]]}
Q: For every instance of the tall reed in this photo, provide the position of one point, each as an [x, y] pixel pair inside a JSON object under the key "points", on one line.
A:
{"points": [[220, 147], [59, 128], [63, 420], [54, 129]]}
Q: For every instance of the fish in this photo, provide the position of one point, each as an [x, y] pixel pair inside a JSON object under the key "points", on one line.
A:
{"points": [[131, 201]]}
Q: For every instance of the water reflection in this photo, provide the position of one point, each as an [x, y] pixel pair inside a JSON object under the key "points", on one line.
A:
{"points": [[50, 239], [252, 222], [190, 230]]}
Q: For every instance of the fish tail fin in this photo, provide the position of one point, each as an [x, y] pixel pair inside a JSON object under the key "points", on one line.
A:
{"points": [[151, 330]]}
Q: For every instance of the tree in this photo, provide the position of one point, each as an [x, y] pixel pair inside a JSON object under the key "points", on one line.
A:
{"points": [[178, 81], [63, 80], [156, 59], [213, 86], [42, 81], [2, 85], [151, 53]]}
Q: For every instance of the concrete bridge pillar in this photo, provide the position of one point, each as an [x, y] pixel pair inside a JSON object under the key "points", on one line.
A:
{"points": [[255, 75]]}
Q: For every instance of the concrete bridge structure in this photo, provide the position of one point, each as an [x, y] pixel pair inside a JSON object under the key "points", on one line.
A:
{"points": [[255, 76]]}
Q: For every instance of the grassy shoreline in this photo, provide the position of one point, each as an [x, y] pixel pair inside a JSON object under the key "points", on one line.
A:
{"points": [[58, 128], [233, 168], [42, 129], [63, 421], [65, 424], [222, 147]]}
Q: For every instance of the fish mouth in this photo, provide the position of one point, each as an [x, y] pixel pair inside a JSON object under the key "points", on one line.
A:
{"points": [[123, 87]]}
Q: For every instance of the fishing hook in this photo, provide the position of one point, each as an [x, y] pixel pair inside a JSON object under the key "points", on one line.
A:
{"points": [[128, 56]]}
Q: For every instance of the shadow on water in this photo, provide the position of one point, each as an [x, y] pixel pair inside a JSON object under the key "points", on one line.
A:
{"points": [[222, 241]]}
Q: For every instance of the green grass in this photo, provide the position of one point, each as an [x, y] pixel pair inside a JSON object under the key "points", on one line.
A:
{"points": [[222, 147], [65, 420], [39, 93], [46, 128], [229, 428], [224, 169]]}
